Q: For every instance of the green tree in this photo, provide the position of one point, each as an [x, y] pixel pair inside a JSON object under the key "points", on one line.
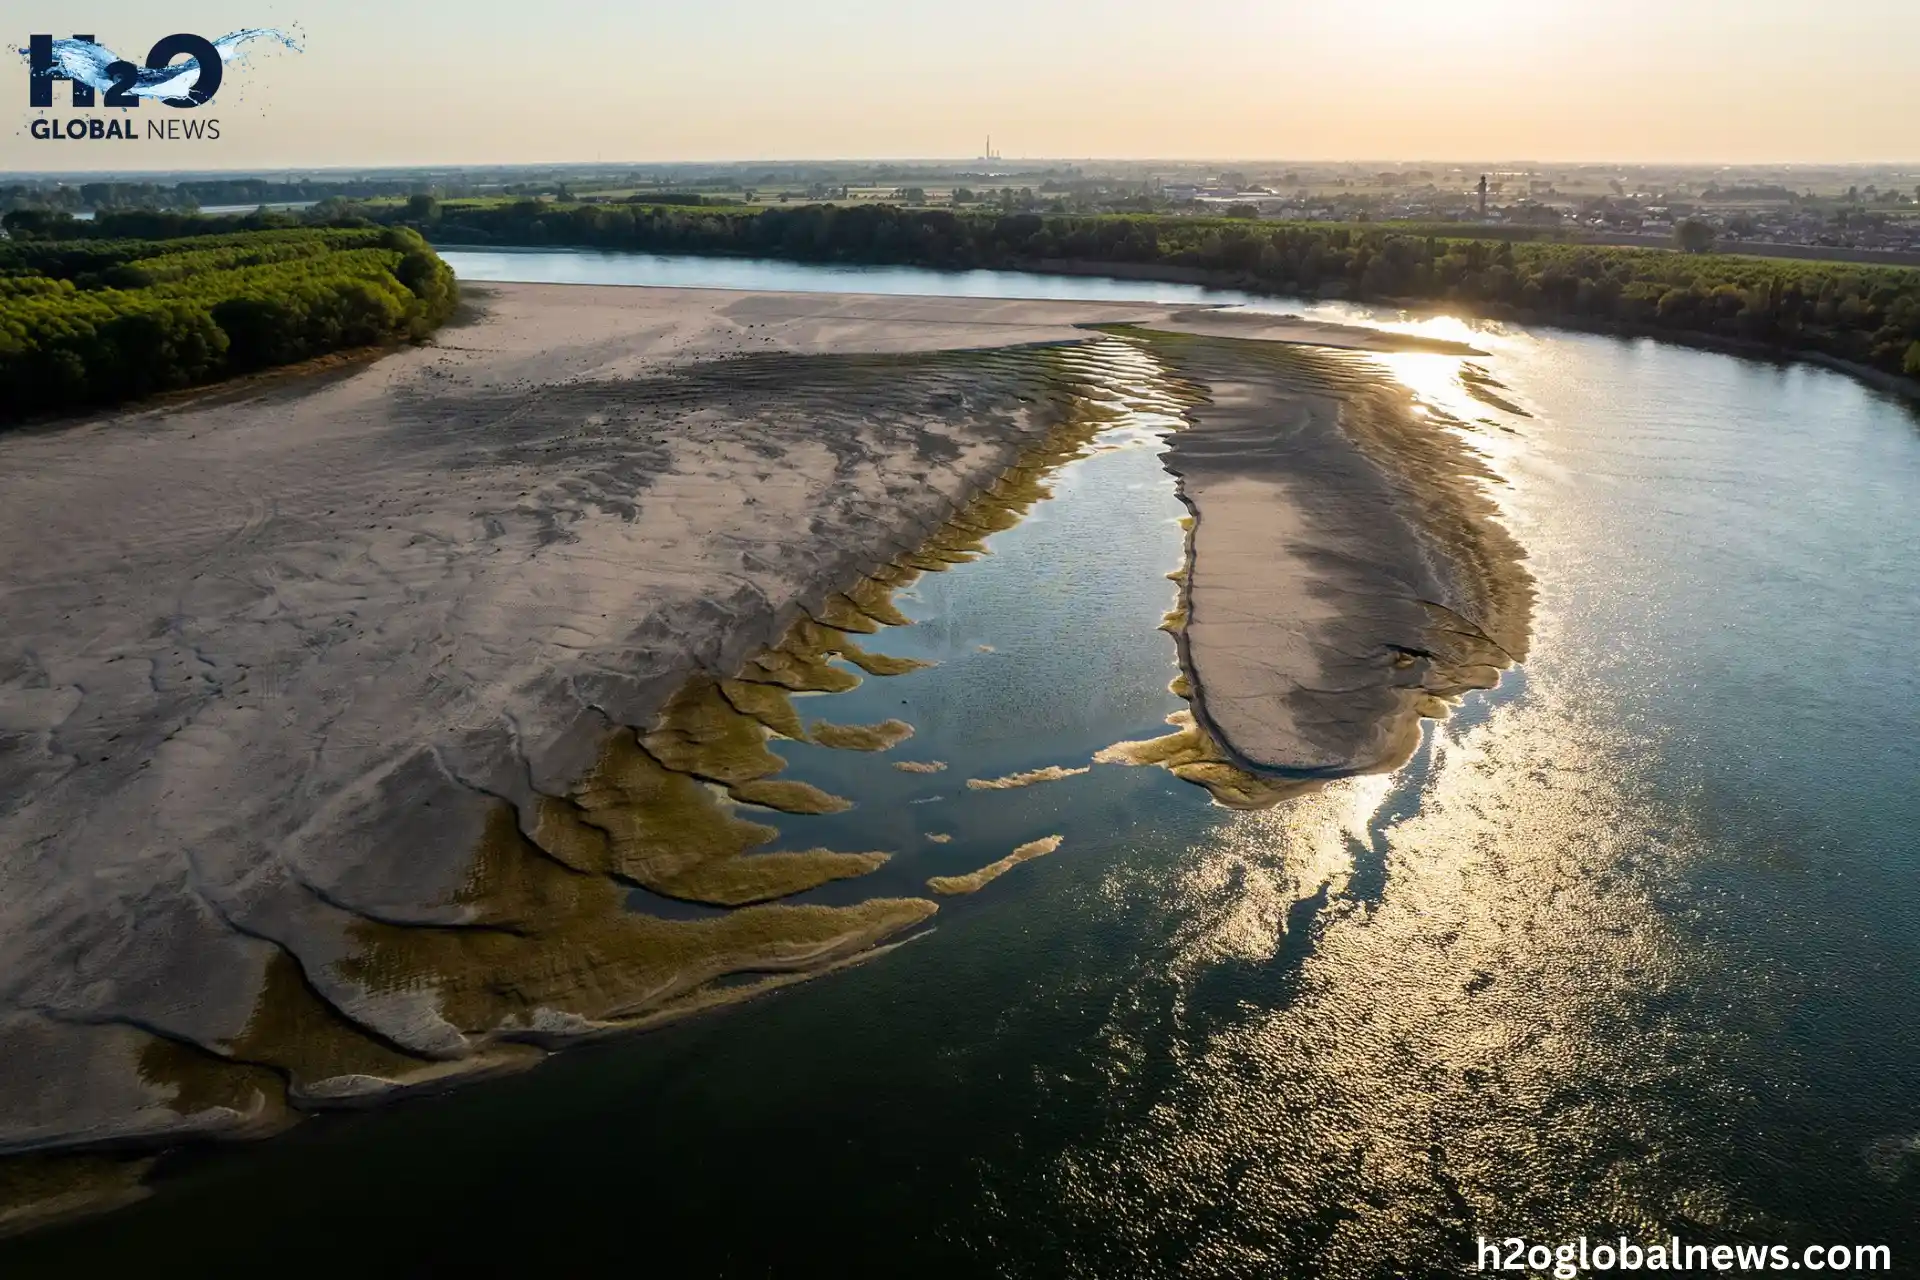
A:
{"points": [[38, 224], [1693, 236], [108, 316], [1913, 361], [1866, 314]]}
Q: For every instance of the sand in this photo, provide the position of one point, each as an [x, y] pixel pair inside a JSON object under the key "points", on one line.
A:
{"points": [[1346, 571], [1259, 326], [274, 654], [310, 685]]}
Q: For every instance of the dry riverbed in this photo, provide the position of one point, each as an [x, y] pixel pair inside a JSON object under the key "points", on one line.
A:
{"points": [[339, 715]]}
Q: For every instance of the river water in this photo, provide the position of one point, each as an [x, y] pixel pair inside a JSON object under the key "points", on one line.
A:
{"points": [[1630, 947]]}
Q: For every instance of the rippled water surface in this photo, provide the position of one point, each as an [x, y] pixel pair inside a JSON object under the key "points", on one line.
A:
{"points": [[1632, 945]]}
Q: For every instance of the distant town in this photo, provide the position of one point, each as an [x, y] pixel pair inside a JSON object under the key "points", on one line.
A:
{"points": [[1868, 213]]}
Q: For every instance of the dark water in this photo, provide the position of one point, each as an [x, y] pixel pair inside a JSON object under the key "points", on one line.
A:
{"points": [[1632, 946]]}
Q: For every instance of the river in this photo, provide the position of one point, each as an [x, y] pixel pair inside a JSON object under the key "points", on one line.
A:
{"points": [[1630, 947]]}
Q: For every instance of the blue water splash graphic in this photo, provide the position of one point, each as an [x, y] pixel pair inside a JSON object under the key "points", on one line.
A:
{"points": [[87, 63]]}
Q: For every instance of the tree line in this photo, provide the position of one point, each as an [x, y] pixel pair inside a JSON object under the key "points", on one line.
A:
{"points": [[1866, 314], [108, 318]]}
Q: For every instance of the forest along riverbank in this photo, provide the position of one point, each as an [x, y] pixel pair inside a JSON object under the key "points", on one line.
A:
{"points": [[518, 607], [1867, 315]]}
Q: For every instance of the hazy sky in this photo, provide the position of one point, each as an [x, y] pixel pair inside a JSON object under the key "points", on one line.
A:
{"points": [[568, 80]]}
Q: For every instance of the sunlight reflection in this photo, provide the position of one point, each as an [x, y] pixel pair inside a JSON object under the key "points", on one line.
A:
{"points": [[1331, 1028], [1260, 864]]}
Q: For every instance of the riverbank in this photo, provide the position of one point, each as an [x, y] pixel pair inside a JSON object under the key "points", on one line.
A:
{"points": [[1250, 286], [1880, 379], [1868, 315], [515, 605]]}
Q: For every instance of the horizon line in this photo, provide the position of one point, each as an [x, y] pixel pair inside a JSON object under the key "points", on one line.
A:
{"points": [[1912, 163]]}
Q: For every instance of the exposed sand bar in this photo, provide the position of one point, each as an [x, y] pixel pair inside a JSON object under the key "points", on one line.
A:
{"points": [[280, 661], [275, 655], [1259, 326], [1346, 570]]}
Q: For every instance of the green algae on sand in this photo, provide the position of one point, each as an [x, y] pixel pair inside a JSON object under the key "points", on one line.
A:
{"points": [[1190, 755], [547, 945], [976, 880], [575, 954], [770, 704], [765, 877], [1032, 777], [860, 737]]}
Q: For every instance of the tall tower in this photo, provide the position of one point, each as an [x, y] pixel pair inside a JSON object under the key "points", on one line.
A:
{"points": [[1483, 195]]}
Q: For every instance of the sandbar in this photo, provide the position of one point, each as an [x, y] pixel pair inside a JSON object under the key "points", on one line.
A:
{"points": [[325, 701], [278, 654], [1347, 572]]}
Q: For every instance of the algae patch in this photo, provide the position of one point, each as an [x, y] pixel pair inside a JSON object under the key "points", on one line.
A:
{"points": [[703, 734], [800, 662], [770, 704], [1032, 777], [1190, 755], [860, 737], [575, 957], [1482, 386], [763, 877], [292, 1030], [975, 880], [634, 819], [788, 796]]}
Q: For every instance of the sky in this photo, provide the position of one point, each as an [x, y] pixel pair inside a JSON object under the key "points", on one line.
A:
{"points": [[564, 81]]}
